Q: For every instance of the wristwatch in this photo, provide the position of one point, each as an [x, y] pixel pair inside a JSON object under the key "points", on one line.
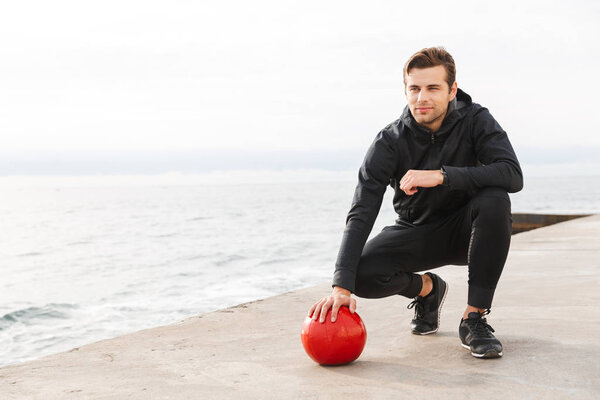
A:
{"points": [[445, 175]]}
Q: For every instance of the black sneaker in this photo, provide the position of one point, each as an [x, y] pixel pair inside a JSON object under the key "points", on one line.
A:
{"points": [[427, 309], [476, 335]]}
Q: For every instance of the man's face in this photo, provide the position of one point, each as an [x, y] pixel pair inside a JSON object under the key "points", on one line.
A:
{"points": [[428, 95]]}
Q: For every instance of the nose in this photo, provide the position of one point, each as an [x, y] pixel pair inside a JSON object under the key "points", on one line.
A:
{"points": [[421, 97]]}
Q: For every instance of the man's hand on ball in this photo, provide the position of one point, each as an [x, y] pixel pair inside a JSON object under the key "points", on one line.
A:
{"points": [[339, 297]]}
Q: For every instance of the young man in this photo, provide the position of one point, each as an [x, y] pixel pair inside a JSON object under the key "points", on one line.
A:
{"points": [[451, 166]]}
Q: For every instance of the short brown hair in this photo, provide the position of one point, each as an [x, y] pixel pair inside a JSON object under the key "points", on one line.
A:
{"points": [[432, 57]]}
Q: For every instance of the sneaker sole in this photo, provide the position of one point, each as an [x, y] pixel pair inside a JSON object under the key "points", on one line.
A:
{"points": [[439, 315], [487, 354]]}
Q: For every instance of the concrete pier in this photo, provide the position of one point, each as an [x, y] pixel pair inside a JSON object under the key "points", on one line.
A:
{"points": [[546, 313]]}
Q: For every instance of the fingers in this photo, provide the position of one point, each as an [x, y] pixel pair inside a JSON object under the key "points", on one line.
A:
{"points": [[334, 310], [350, 302], [312, 309], [411, 191], [408, 183], [324, 308], [403, 184], [408, 176], [319, 309], [352, 306]]}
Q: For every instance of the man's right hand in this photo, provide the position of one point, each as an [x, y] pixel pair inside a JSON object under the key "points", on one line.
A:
{"points": [[338, 298]]}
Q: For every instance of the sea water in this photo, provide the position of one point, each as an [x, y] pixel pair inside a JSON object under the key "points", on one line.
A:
{"points": [[90, 258]]}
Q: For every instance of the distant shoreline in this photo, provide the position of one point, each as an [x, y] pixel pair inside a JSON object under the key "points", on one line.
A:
{"points": [[255, 176]]}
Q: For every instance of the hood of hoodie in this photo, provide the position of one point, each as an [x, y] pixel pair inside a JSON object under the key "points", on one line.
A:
{"points": [[456, 111]]}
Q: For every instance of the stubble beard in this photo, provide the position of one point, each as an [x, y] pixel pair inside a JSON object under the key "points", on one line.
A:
{"points": [[427, 121]]}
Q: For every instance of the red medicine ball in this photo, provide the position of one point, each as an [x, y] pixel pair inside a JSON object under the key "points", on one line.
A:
{"points": [[334, 343]]}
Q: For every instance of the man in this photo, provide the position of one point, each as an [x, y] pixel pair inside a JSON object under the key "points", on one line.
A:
{"points": [[451, 166]]}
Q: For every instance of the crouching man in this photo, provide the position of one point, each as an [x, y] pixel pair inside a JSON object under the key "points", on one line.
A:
{"points": [[451, 166]]}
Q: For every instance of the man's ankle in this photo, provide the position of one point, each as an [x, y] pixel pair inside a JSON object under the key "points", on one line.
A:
{"points": [[427, 285], [471, 309]]}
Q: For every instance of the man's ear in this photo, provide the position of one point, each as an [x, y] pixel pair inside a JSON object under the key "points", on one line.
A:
{"points": [[453, 90]]}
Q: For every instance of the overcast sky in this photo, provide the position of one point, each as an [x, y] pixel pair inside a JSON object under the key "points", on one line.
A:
{"points": [[255, 76]]}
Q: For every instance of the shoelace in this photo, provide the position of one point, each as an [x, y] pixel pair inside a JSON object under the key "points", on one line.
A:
{"points": [[481, 326], [417, 304]]}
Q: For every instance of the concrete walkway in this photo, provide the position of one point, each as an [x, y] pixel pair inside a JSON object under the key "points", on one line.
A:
{"points": [[545, 312]]}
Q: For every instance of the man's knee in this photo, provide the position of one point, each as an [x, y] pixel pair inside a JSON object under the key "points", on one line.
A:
{"points": [[492, 198], [366, 280], [370, 279], [492, 192], [492, 205]]}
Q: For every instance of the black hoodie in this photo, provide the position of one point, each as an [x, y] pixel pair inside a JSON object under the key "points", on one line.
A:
{"points": [[470, 145]]}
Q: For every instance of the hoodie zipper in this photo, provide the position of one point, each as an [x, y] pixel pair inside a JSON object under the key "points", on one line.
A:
{"points": [[432, 138]]}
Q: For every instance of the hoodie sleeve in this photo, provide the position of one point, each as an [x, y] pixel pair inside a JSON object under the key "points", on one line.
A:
{"points": [[500, 167], [373, 178]]}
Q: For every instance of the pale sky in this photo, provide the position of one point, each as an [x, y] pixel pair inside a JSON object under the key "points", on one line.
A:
{"points": [[295, 75]]}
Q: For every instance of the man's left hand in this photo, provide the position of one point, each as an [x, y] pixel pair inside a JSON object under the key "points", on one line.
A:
{"points": [[417, 178]]}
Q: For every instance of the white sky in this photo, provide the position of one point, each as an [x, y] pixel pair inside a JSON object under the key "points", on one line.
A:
{"points": [[151, 75]]}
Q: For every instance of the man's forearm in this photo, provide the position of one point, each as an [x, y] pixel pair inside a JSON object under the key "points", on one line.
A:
{"points": [[360, 221], [353, 240], [506, 175], [420, 178], [373, 179]]}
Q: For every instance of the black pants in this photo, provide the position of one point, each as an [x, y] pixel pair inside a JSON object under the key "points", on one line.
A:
{"points": [[477, 235]]}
